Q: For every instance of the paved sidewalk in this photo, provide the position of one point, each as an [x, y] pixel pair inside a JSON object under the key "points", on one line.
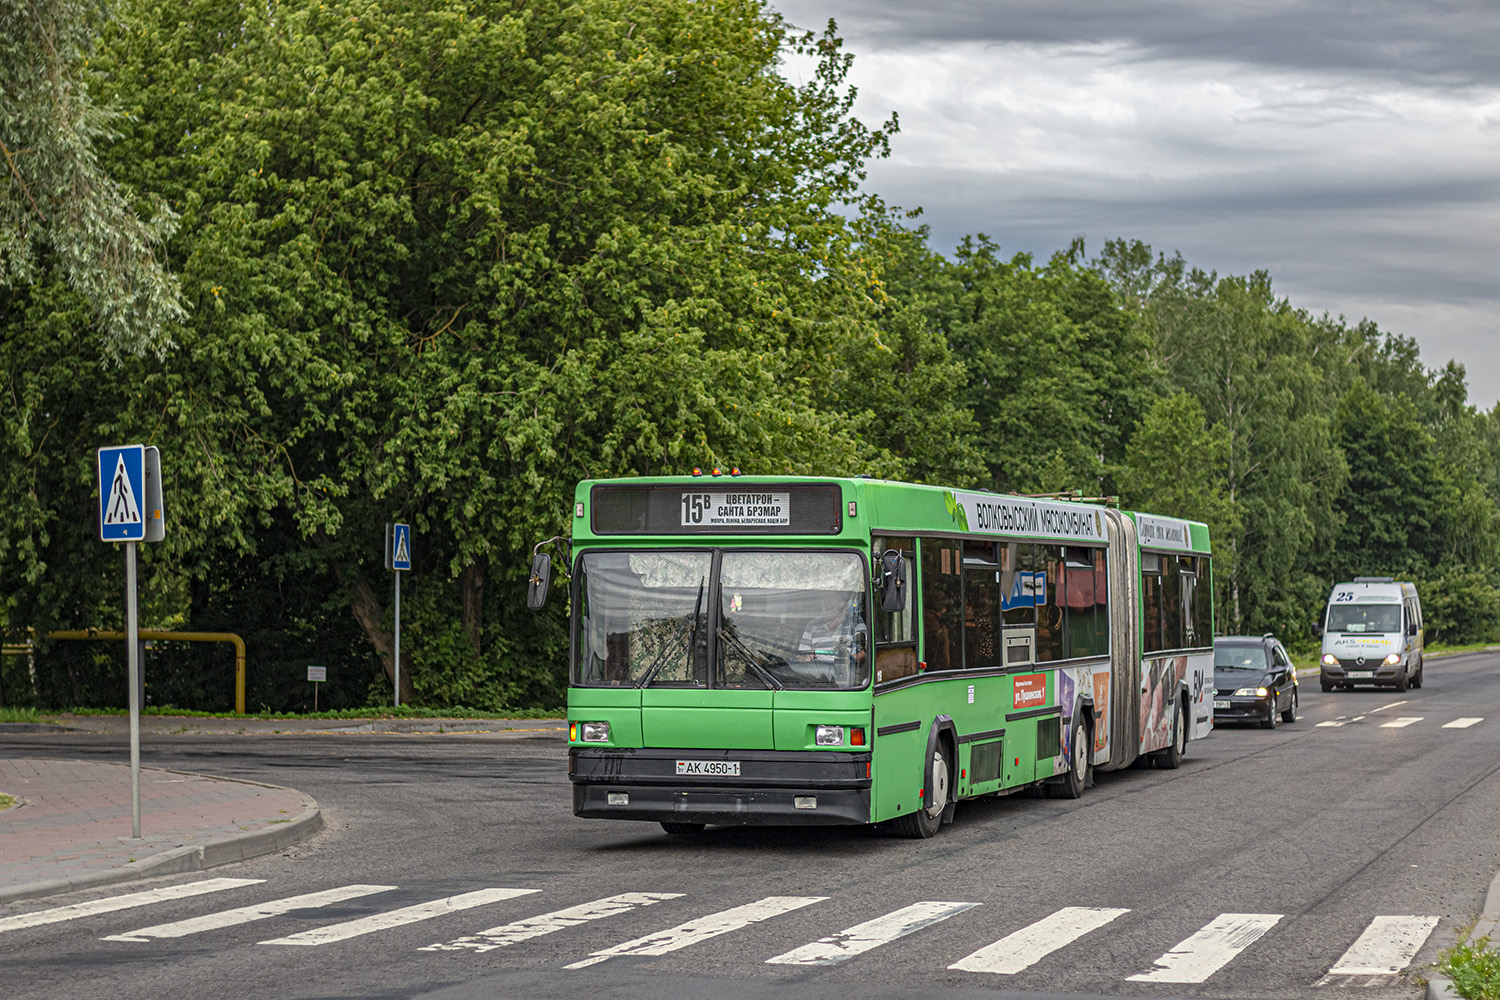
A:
{"points": [[72, 826]]}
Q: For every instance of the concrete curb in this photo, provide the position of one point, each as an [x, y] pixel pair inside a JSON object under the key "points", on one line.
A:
{"points": [[1441, 987], [190, 857]]}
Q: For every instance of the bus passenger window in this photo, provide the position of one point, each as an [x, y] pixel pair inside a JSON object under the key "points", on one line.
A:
{"points": [[942, 604], [1171, 605], [1049, 612], [1150, 603], [981, 605], [1077, 588]]}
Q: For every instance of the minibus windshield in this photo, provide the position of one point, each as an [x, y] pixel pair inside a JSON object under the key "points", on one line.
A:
{"points": [[1376, 618]]}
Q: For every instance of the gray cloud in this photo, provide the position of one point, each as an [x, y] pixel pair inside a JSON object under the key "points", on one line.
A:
{"points": [[1431, 43], [1350, 150]]}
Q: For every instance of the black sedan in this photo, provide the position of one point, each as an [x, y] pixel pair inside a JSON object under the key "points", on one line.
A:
{"points": [[1254, 681]]}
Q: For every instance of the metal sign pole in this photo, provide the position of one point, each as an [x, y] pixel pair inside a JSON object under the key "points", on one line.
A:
{"points": [[398, 639], [133, 659]]}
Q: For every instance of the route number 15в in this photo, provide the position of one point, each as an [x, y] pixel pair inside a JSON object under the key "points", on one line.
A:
{"points": [[695, 506]]}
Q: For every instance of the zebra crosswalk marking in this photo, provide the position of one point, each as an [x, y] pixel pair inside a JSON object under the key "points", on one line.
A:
{"points": [[398, 918], [1401, 722], [861, 938], [1210, 949], [246, 914], [547, 923], [702, 928], [1029, 945], [1463, 723], [1386, 947], [130, 899]]}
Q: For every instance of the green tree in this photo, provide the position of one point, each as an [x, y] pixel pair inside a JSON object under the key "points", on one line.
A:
{"points": [[444, 262], [60, 211]]}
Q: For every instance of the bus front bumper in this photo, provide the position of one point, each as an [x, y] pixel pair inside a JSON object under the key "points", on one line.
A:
{"points": [[772, 788]]}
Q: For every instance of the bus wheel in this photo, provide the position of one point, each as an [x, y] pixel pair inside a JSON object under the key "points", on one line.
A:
{"points": [[929, 819], [1171, 757], [1401, 682], [1076, 779], [682, 829]]}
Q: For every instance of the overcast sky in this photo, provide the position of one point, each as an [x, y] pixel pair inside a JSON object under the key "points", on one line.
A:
{"points": [[1349, 147]]}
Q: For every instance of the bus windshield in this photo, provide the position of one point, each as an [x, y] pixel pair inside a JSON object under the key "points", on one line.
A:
{"points": [[770, 620], [1381, 618]]}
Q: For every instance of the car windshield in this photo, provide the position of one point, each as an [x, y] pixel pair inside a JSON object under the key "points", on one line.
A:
{"points": [[1240, 658], [768, 620], [1364, 618]]}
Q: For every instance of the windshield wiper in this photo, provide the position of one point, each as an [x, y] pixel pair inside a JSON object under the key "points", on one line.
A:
{"points": [[727, 632], [692, 629]]}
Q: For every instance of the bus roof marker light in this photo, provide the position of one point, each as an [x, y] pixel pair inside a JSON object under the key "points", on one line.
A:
{"points": [[697, 471], [735, 471], [717, 473]]}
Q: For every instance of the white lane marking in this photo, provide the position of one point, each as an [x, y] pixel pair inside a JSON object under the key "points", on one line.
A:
{"points": [[246, 914], [1029, 945], [1210, 949], [861, 938], [546, 923], [1401, 722], [1463, 723], [399, 917], [75, 910], [1393, 704], [703, 928], [1332, 724], [1386, 947]]}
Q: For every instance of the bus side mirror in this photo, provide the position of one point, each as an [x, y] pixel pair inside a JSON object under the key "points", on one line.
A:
{"points": [[1317, 629], [541, 576], [1411, 628], [892, 581]]}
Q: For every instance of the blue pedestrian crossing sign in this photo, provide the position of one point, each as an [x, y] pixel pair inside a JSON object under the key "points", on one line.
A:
{"points": [[122, 493], [398, 546]]}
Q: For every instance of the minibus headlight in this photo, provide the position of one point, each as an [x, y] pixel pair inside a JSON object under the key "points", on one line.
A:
{"points": [[829, 736], [1393, 659], [1329, 660], [593, 732]]}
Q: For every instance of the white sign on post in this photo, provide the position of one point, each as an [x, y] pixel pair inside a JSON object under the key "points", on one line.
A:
{"points": [[317, 673]]}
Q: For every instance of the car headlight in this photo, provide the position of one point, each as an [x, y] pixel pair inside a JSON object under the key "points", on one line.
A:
{"points": [[1329, 660], [829, 736], [589, 732], [1253, 692], [1393, 659]]}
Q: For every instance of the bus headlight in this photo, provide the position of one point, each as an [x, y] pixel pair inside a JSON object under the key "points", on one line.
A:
{"points": [[1329, 660], [1393, 659], [593, 732], [829, 736]]}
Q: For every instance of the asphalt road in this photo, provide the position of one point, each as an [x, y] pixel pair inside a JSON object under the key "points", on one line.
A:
{"points": [[1313, 835]]}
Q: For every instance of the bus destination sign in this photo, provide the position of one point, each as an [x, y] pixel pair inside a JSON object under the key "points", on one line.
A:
{"points": [[724, 510]]}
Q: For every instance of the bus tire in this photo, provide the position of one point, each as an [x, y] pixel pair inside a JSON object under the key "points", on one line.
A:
{"points": [[1076, 779], [1401, 682], [682, 829], [926, 821], [1171, 757]]}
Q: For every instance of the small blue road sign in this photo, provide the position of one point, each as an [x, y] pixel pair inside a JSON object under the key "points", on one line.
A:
{"points": [[398, 551], [122, 492]]}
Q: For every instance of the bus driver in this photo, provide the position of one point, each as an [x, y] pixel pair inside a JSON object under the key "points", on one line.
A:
{"points": [[837, 637]]}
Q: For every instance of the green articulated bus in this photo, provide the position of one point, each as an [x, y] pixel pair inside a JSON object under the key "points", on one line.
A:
{"points": [[796, 650]]}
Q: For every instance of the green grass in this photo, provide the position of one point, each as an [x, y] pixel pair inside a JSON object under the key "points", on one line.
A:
{"points": [[457, 712], [6, 801], [1474, 968], [20, 715]]}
